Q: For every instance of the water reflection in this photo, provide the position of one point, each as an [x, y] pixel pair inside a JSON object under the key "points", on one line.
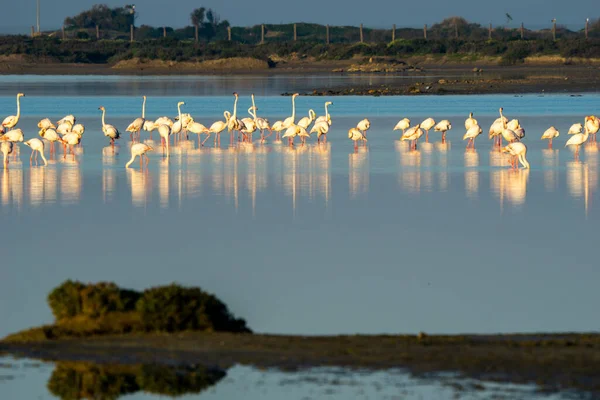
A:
{"points": [[578, 181], [510, 185], [140, 186], [70, 183], [79, 380], [471, 173], [358, 171], [550, 163], [12, 186], [43, 184]]}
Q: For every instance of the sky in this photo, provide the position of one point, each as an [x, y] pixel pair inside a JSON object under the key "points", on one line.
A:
{"points": [[19, 16]]}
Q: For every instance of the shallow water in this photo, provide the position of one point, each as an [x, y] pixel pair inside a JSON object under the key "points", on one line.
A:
{"points": [[22, 379], [315, 240]]}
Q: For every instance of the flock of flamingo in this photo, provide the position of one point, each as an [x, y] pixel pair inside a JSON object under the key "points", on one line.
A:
{"points": [[69, 134]]}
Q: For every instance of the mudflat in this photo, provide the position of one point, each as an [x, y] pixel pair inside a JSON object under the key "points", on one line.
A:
{"points": [[553, 362]]}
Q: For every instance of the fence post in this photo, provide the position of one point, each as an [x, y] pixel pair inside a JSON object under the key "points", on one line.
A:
{"points": [[361, 34], [97, 32], [295, 32], [63, 32], [554, 29], [131, 33], [262, 34], [490, 32], [229, 33], [196, 33], [587, 22], [164, 31], [327, 34], [393, 32], [522, 31], [425, 32]]}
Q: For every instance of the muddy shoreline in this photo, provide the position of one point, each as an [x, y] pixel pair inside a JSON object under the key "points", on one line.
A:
{"points": [[554, 362], [427, 79]]}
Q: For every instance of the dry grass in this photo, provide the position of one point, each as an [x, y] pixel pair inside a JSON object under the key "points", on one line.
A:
{"points": [[224, 64]]}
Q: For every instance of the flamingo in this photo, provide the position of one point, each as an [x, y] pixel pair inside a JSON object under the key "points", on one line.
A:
{"points": [[261, 123], [164, 121], [326, 117], [471, 134], [550, 134], [577, 140], [136, 126], [109, 130], [289, 121], [592, 124], [179, 123], [413, 134], [71, 139], [291, 133], [139, 149], [508, 132], [495, 131], [218, 127], [575, 128], [165, 131], [198, 129], [12, 120], [51, 136], [518, 150], [37, 146], [64, 128], [513, 124], [234, 124], [79, 129], [149, 126], [15, 136], [363, 126], [427, 125], [469, 122], [443, 126], [67, 118], [6, 148], [277, 127], [306, 121], [355, 135], [46, 124], [321, 128], [249, 126], [402, 125]]}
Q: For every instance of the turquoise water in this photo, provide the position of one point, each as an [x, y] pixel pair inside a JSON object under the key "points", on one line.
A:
{"points": [[311, 240]]}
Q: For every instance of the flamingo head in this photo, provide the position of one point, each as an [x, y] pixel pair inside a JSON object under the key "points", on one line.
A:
{"points": [[181, 103], [329, 103], [144, 97], [235, 94], [150, 148], [20, 95], [296, 95], [101, 108]]}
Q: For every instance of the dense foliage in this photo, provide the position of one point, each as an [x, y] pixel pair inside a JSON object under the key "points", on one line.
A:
{"points": [[74, 381], [118, 19], [106, 308]]}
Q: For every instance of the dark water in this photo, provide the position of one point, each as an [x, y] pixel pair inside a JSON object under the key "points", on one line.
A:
{"points": [[316, 239]]}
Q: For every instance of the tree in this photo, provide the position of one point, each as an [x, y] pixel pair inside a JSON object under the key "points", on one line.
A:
{"points": [[118, 19], [197, 16]]}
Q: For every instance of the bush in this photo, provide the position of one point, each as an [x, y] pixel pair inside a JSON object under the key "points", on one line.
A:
{"points": [[175, 308]]}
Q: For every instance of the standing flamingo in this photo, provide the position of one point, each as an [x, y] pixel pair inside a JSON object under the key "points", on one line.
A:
{"points": [[321, 128], [306, 121], [471, 134], [363, 126], [46, 124], [443, 126], [218, 127], [575, 128], [51, 136], [178, 125], [427, 125], [550, 134], [12, 120], [355, 135], [165, 131], [234, 124], [592, 124], [71, 140], [6, 148], [37, 146], [413, 134], [277, 127], [469, 122], [577, 140], [136, 126], [289, 121], [402, 125], [261, 123], [67, 118], [326, 117], [15, 136], [139, 149], [109, 130]]}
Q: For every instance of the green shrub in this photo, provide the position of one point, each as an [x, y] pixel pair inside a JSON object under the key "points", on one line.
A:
{"points": [[65, 300]]}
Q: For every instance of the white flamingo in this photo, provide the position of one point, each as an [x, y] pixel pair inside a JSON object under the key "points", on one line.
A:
{"points": [[12, 120], [413, 134], [277, 128], [46, 124], [427, 125], [64, 128], [6, 148], [363, 126], [356, 135], [550, 134], [517, 150], [577, 140], [469, 122], [198, 129], [261, 123], [165, 131], [218, 127], [178, 125], [136, 126], [139, 149], [51, 136], [109, 130], [575, 128], [234, 124], [592, 124], [306, 121], [291, 120], [78, 129], [15, 136], [67, 118], [321, 128], [471, 134], [443, 126], [402, 125], [37, 146], [71, 140], [325, 118]]}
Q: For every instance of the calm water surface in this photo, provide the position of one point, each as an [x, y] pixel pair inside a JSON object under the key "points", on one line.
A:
{"points": [[311, 240]]}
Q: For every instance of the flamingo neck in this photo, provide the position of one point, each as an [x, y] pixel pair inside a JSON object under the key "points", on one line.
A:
{"points": [[227, 115], [293, 109], [234, 116], [179, 112], [43, 158], [502, 119], [326, 111], [103, 112], [144, 109], [130, 161], [18, 106]]}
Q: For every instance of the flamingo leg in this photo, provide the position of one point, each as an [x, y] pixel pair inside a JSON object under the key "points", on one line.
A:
{"points": [[207, 137]]}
